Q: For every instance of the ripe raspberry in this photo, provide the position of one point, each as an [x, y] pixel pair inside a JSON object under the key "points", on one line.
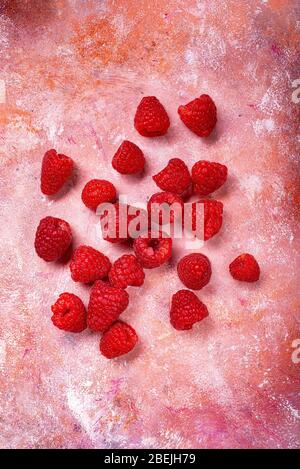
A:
{"points": [[186, 310], [120, 220], [213, 217], [200, 115], [56, 169], [208, 177], [52, 239], [88, 265], [69, 313], [98, 191], [160, 213], [194, 270], [126, 271], [118, 340], [128, 159], [153, 250], [213, 213], [245, 268], [151, 119], [105, 305], [175, 177]]}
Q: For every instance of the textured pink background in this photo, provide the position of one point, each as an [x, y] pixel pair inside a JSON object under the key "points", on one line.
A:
{"points": [[74, 74]]}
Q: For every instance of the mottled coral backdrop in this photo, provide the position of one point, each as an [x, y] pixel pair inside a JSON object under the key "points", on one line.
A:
{"points": [[72, 73]]}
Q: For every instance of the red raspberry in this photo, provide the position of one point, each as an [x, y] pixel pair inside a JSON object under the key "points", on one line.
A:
{"points": [[105, 305], [200, 115], [121, 234], [52, 239], [98, 191], [175, 177], [245, 268], [118, 340], [208, 177], [126, 271], [161, 213], [153, 250], [88, 265], [128, 159], [69, 313], [194, 270], [186, 310], [151, 119], [56, 169], [213, 217]]}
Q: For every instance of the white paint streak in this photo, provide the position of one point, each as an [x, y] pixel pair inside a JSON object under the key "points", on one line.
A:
{"points": [[251, 186], [2, 92], [263, 125]]}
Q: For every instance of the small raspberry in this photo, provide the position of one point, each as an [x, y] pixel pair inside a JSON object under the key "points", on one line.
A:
{"points": [[186, 310], [98, 191], [175, 177], [56, 169], [105, 305], [128, 159], [200, 115], [88, 265], [69, 313], [245, 268], [161, 213], [194, 270], [118, 340], [126, 271], [153, 250], [119, 219], [208, 177], [52, 239], [213, 217], [151, 119]]}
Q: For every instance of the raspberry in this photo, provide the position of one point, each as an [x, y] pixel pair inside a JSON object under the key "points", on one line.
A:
{"points": [[186, 310], [200, 115], [88, 265], [245, 268], [153, 250], [52, 239], [126, 271], [69, 313], [128, 159], [213, 217], [118, 340], [194, 270], [151, 119], [119, 220], [208, 177], [161, 213], [105, 305], [56, 169], [175, 177], [98, 191]]}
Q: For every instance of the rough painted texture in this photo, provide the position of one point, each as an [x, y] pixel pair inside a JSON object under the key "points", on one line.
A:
{"points": [[74, 73]]}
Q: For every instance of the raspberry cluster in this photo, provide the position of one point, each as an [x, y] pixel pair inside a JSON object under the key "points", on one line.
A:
{"points": [[109, 297]]}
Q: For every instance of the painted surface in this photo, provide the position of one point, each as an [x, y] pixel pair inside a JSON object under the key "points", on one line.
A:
{"points": [[72, 74]]}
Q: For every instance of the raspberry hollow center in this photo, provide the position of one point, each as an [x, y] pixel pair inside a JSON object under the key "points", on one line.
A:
{"points": [[153, 246]]}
